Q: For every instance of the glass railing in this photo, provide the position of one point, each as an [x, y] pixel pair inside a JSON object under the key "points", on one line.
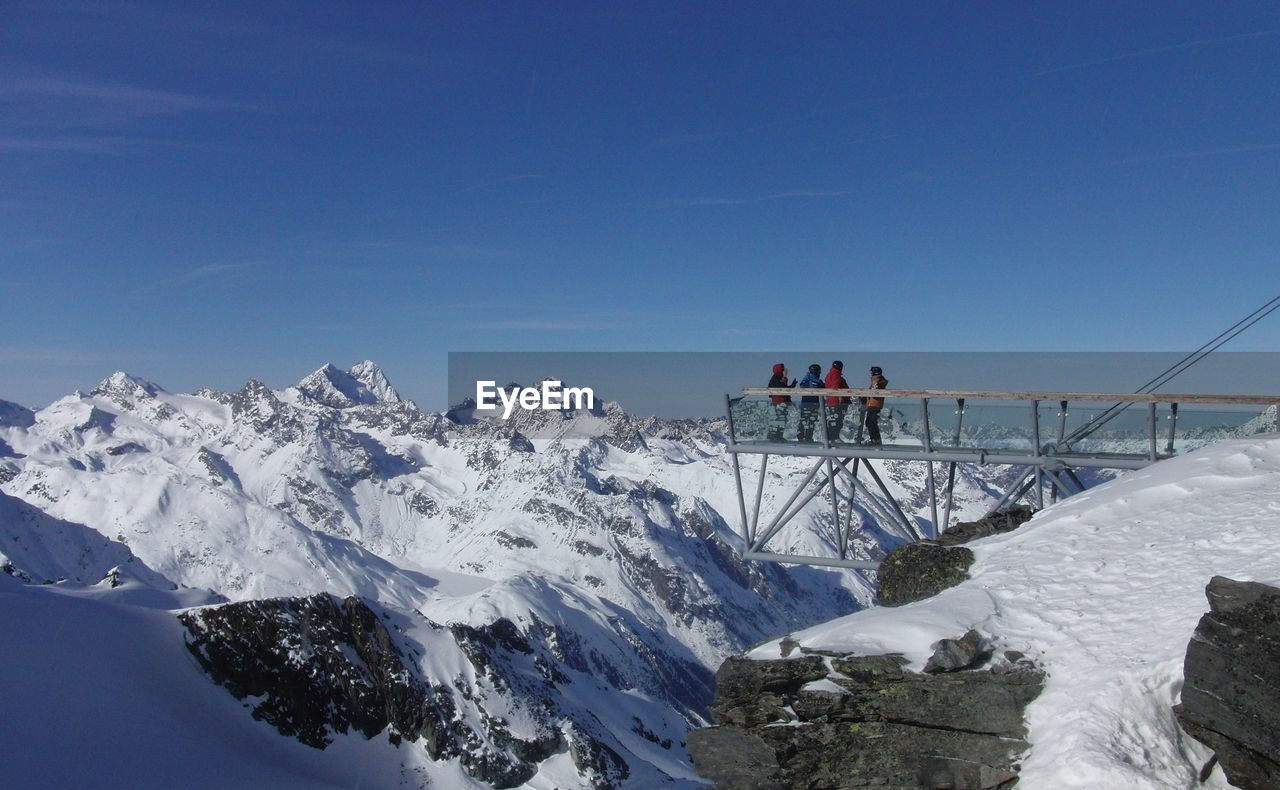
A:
{"points": [[1003, 426]]}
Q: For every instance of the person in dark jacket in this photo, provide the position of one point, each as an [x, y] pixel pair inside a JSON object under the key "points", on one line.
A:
{"points": [[837, 405], [781, 403], [809, 403], [872, 406]]}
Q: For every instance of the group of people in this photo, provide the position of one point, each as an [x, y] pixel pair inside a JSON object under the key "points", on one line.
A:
{"points": [[837, 406]]}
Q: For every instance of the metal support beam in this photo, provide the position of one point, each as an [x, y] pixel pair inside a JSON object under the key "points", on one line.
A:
{"points": [[1173, 424], [951, 470], [755, 518], [779, 520], [1009, 492], [737, 477], [1151, 430], [804, 559], [883, 517], [902, 519]]}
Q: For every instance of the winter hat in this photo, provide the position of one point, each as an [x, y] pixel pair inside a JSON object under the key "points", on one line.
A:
{"points": [[838, 365], [778, 368], [815, 368], [876, 371]]}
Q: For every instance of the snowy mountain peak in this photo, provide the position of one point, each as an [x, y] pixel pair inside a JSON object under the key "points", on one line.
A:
{"points": [[125, 389], [371, 376], [364, 384]]}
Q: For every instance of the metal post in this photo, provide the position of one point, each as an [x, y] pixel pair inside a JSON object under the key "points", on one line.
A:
{"points": [[755, 518], [737, 475], [1036, 452], [1062, 421], [835, 502], [1173, 423], [1009, 492], [902, 517], [1151, 429], [928, 448], [884, 516], [778, 520], [951, 470], [822, 417]]}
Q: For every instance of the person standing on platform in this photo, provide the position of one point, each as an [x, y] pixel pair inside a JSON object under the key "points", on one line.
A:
{"points": [[809, 403], [837, 405], [872, 406], [781, 403]]}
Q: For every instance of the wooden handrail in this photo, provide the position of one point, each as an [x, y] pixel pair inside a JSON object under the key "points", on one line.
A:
{"points": [[1119, 397]]}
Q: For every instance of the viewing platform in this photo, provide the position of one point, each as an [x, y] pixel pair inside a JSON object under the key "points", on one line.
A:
{"points": [[1049, 434]]}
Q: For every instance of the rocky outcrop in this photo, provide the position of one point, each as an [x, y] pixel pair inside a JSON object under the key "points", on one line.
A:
{"points": [[317, 666], [921, 570], [1005, 520], [1231, 691], [846, 721]]}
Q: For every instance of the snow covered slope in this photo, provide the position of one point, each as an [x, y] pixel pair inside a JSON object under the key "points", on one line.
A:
{"points": [[605, 542], [1104, 590]]}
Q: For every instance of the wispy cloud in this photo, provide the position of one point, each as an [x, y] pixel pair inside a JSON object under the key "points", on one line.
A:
{"points": [[209, 273], [82, 144], [507, 180], [1203, 153], [131, 98], [61, 356], [1142, 53], [800, 194], [544, 326]]}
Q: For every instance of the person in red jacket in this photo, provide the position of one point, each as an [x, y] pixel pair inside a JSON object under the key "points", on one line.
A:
{"points": [[781, 403], [871, 406], [837, 405]]}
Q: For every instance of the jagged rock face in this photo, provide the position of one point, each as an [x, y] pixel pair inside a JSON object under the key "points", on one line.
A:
{"points": [[1231, 691], [318, 666], [341, 389], [825, 721], [921, 570], [1005, 520]]}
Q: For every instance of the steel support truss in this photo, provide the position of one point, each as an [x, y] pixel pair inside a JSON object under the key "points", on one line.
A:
{"points": [[836, 471]]}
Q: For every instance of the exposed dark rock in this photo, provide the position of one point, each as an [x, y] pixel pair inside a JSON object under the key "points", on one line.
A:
{"points": [[870, 724], [1006, 520], [752, 693], [735, 759], [317, 666], [1231, 691], [290, 651], [950, 655], [126, 448], [921, 570]]}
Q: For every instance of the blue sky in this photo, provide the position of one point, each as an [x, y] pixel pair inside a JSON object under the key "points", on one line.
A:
{"points": [[199, 193]]}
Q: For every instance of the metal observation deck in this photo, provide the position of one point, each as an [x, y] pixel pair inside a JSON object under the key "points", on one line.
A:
{"points": [[1051, 435]]}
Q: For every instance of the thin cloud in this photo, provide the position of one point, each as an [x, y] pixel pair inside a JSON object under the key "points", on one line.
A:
{"points": [[1201, 154], [805, 194], [544, 326], [1142, 53], [140, 101], [104, 144], [61, 356], [507, 180]]}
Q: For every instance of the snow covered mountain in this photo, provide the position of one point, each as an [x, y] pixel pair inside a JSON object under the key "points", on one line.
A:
{"points": [[589, 550], [603, 542]]}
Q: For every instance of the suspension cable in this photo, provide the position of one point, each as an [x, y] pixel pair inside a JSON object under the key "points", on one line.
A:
{"points": [[1167, 375]]}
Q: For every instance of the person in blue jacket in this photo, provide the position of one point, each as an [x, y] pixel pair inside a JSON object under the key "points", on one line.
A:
{"points": [[809, 403]]}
